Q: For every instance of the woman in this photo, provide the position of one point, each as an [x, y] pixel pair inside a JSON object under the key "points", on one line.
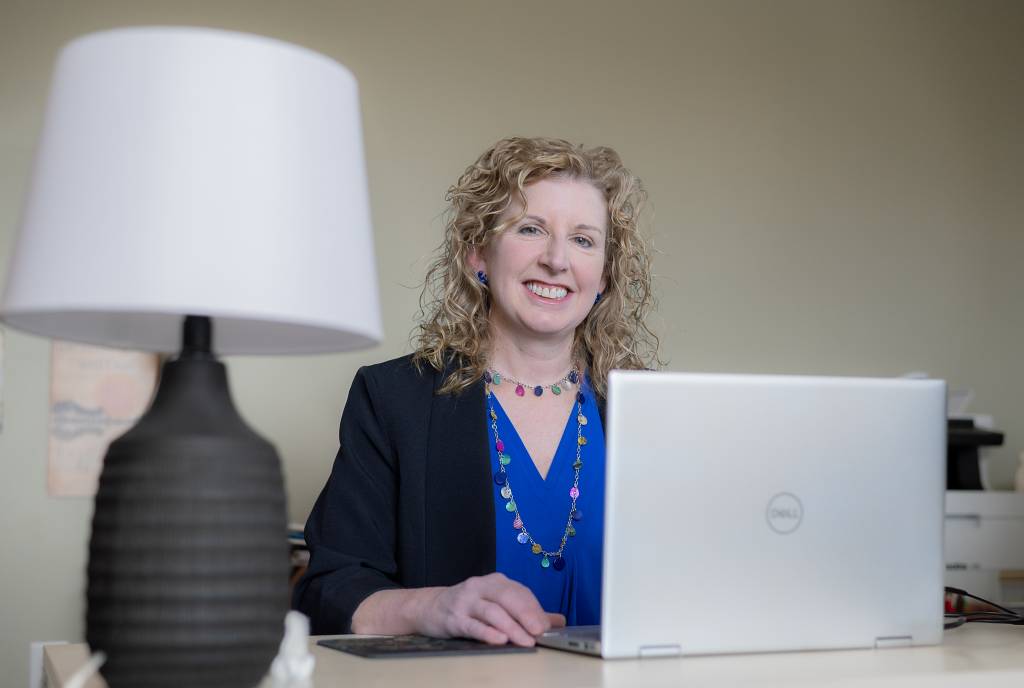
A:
{"points": [[467, 495]]}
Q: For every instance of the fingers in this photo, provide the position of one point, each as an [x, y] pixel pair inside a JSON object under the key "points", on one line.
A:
{"points": [[498, 618], [519, 603], [478, 630], [556, 620], [489, 608]]}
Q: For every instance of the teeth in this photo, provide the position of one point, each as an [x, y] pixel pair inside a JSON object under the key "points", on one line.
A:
{"points": [[547, 292]]}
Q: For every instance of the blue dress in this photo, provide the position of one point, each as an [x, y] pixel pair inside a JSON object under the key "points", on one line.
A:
{"points": [[544, 504]]}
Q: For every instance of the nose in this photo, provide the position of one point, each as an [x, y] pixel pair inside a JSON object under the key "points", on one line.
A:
{"points": [[555, 256]]}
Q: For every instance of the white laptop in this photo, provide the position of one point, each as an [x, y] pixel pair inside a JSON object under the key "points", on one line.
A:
{"points": [[752, 513]]}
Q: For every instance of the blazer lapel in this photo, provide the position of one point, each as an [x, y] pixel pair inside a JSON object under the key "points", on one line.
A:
{"points": [[459, 533]]}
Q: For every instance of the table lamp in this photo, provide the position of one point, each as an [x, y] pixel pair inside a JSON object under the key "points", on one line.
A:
{"points": [[204, 192]]}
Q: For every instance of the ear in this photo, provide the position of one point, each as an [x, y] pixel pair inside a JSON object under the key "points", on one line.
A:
{"points": [[476, 259]]}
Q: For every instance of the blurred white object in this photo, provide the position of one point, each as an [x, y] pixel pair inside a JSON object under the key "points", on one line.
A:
{"points": [[35, 661], [294, 663], [1019, 483], [79, 678]]}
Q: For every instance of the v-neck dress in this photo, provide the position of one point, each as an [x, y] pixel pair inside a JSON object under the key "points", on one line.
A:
{"points": [[544, 504]]}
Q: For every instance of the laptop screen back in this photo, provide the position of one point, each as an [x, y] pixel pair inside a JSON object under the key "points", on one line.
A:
{"points": [[762, 513]]}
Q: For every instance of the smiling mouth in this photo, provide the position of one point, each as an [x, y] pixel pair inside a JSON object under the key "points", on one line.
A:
{"points": [[547, 292]]}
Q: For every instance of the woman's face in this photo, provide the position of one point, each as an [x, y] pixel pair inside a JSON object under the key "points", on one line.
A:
{"points": [[544, 271]]}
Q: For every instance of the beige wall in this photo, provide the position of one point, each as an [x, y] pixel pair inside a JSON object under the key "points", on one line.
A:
{"points": [[835, 186]]}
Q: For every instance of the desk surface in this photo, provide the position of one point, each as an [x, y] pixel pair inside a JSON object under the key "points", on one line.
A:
{"points": [[974, 655]]}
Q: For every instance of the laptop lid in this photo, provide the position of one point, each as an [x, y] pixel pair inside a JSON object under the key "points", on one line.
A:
{"points": [[765, 513]]}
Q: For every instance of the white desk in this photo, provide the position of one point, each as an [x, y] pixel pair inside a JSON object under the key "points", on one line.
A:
{"points": [[972, 656]]}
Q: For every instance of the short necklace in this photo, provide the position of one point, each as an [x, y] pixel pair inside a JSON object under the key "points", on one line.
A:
{"points": [[493, 377], [549, 558]]}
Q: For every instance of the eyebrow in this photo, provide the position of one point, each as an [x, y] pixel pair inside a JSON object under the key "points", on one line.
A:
{"points": [[539, 219]]}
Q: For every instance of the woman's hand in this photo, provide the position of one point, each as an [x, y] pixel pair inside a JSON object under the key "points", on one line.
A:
{"points": [[490, 608]]}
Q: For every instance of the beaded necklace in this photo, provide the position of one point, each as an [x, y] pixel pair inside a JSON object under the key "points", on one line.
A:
{"points": [[549, 558], [493, 377]]}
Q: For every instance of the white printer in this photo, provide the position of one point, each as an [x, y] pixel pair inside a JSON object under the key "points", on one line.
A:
{"points": [[984, 545]]}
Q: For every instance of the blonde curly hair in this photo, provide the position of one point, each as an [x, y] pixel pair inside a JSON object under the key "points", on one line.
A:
{"points": [[454, 304]]}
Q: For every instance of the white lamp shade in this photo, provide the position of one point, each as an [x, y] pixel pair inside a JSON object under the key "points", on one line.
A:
{"points": [[194, 171]]}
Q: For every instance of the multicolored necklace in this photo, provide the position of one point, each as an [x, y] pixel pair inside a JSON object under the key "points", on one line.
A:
{"points": [[493, 377], [549, 558]]}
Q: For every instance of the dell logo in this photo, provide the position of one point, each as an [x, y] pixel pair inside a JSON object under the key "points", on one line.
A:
{"points": [[784, 513]]}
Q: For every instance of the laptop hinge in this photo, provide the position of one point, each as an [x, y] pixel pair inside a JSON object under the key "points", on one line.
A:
{"points": [[660, 650], [893, 641]]}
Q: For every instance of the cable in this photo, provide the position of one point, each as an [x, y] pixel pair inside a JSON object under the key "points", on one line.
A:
{"points": [[997, 615], [954, 621]]}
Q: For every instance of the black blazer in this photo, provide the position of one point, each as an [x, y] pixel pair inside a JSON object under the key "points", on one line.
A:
{"points": [[408, 503]]}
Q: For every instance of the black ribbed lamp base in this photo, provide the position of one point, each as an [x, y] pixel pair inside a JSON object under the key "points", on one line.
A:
{"points": [[188, 559]]}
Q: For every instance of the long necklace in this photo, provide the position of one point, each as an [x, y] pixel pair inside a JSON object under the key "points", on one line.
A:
{"points": [[493, 377], [549, 558]]}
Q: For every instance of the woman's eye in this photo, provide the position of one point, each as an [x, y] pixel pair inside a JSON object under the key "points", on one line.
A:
{"points": [[584, 241], [529, 229]]}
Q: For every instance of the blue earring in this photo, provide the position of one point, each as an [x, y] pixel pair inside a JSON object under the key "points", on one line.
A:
{"points": [[482, 277], [597, 299]]}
